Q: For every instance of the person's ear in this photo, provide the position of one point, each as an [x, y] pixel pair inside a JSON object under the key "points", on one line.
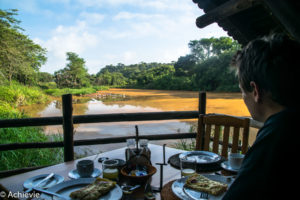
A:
{"points": [[255, 91]]}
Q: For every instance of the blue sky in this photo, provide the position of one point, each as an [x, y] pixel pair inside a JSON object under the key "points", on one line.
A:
{"points": [[104, 32]]}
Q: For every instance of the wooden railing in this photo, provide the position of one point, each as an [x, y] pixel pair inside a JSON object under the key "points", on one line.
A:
{"points": [[67, 120]]}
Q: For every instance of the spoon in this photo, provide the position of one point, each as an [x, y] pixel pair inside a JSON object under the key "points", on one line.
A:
{"points": [[129, 189]]}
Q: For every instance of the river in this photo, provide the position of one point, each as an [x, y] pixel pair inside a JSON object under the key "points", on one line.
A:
{"points": [[135, 100]]}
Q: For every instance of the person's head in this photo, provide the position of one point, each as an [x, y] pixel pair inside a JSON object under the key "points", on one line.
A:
{"points": [[268, 69]]}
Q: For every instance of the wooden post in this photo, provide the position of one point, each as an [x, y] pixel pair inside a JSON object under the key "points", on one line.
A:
{"points": [[68, 127], [202, 103], [202, 111]]}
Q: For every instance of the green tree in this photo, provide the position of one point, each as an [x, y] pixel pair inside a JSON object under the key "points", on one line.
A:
{"points": [[20, 57], [74, 75], [185, 65], [208, 47], [214, 74], [115, 78]]}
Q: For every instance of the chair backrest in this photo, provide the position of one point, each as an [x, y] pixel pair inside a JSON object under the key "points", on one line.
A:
{"points": [[220, 129]]}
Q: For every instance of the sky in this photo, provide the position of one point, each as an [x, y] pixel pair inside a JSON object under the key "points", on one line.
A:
{"points": [[105, 32]]}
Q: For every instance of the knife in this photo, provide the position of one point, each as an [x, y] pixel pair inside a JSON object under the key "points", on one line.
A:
{"points": [[50, 193], [40, 182]]}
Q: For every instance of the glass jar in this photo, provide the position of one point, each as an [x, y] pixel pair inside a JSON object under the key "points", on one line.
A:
{"points": [[110, 169], [144, 148]]}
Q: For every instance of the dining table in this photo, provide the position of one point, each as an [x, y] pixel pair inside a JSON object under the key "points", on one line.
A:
{"points": [[14, 184]]}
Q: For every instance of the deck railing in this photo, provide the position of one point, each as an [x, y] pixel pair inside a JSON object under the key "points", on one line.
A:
{"points": [[67, 120]]}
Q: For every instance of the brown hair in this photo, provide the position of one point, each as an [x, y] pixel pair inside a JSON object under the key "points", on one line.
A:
{"points": [[273, 63]]}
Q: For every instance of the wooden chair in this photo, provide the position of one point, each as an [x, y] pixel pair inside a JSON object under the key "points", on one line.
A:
{"points": [[218, 129]]}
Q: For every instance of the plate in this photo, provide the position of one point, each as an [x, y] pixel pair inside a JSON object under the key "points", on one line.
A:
{"points": [[225, 165], [74, 174], [189, 194], [67, 187], [202, 157], [56, 179]]}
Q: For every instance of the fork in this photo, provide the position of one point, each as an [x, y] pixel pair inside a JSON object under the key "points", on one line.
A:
{"points": [[204, 195]]}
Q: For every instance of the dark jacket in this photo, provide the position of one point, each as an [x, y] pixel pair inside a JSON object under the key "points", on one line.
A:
{"points": [[271, 163]]}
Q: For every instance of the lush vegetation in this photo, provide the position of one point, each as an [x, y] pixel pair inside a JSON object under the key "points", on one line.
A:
{"points": [[206, 68]]}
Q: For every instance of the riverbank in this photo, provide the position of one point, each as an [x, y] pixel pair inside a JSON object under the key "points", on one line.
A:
{"points": [[57, 92]]}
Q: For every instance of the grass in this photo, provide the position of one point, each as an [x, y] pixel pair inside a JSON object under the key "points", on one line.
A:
{"points": [[17, 94], [12, 96], [25, 157], [78, 92], [82, 91], [58, 92], [187, 144]]}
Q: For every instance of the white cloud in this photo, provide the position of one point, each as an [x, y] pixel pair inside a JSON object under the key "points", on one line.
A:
{"points": [[169, 5], [129, 56], [92, 18], [68, 39], [136, 16], [173, 54]]}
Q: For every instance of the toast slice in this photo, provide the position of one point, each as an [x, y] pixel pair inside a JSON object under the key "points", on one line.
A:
{"points": [[203, 184], [93, 191]]}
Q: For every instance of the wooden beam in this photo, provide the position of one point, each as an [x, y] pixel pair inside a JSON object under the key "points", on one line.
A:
{"points": [[287, 13], [37, 121], [96, 141], [118, 117], [225, 10]]}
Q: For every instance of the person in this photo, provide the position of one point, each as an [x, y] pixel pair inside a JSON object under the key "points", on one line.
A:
{"points": [[268, 74]]}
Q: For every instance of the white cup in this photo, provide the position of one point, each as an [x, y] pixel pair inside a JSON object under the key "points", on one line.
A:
{"points": [[235, 160]]}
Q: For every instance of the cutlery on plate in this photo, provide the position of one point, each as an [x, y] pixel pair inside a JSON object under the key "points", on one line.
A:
{"points": [[128, 188], [50, 193], [40, 182]]}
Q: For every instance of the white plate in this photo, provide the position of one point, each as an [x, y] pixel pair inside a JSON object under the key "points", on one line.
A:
{"points": [[225, 165], [74, 174], [202, 157], [189, 194], [67, 187], [56, 179]]}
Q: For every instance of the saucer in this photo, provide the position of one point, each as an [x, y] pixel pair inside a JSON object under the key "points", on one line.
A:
{"points": [[74, 174], [225, 165]]}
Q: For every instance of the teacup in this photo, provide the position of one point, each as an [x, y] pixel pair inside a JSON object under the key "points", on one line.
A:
{"points": [[85, 168], [235, 160]]}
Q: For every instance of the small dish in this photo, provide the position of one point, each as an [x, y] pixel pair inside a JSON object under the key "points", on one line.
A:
{"points": [[226, 166], [74, 174], [31, 182], [150, 170]]}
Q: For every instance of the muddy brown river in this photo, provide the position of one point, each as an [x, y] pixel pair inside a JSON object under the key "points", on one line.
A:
{"points": [[135, 100]]}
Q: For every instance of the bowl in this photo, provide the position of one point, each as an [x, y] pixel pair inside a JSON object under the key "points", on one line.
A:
{"points": [[125, 171]]}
